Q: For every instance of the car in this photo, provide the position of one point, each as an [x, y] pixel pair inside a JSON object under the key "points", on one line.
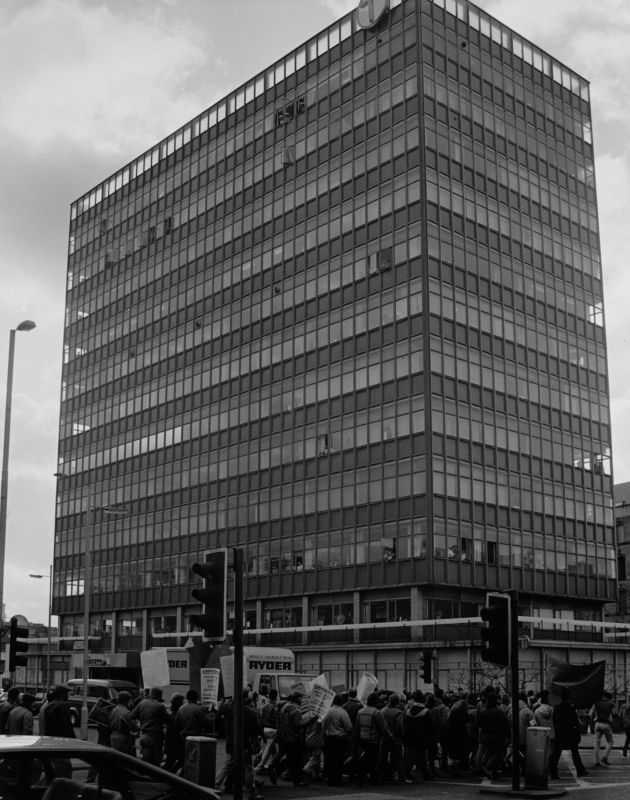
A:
{"points": [[105, 690], [54, 768]]}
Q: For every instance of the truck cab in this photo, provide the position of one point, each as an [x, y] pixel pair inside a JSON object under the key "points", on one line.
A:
{"points": [[282, 682]]}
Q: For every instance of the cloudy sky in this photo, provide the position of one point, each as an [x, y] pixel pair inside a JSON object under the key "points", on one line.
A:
{"points": [[89, 84]]}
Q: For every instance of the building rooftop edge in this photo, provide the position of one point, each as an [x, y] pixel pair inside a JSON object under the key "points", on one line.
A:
{"points": [[306, 52]]}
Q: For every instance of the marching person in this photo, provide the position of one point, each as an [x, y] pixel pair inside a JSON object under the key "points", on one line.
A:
{"points": [[338, 733], [370, 728], [567, 734], [391, 756], [7, 706], [20, 719], [420, 737], [601, 714], [290, 734], [152, 717], [624, 713], [123, 728], [251, 728], [191, 719], [173, 745]]}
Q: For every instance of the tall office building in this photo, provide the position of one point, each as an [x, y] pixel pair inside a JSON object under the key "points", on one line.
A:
{"points": [[348, 319]]}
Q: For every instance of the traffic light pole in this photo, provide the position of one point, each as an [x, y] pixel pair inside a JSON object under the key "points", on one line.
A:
{"points": [[516, 767], [237, 700]]}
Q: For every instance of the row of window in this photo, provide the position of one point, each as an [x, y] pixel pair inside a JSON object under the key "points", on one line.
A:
{"points": [[328, 329], [494, 88], [388, 94]]}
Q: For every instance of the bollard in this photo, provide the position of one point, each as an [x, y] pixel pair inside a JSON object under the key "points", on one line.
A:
{"points": [[537, 758], [200, 760]]}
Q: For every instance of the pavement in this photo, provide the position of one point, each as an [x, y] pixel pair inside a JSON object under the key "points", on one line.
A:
{"points": [[615, 778]]}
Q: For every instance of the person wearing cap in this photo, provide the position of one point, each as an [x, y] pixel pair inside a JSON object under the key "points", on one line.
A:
{"points": [[57, 716], [20, 720], [123, 728], [152, 717]]}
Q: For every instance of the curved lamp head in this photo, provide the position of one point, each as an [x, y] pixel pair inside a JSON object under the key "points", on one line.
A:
{"points": [[27, 325]]}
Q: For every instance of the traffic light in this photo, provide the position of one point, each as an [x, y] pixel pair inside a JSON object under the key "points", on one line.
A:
{"points": [[213, 619], [16, 633], [497, 633], [427, 661]]}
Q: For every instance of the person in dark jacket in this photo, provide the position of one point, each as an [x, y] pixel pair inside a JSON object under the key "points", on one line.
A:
{"points": [[567, 734], [460, 745], [152, 716], [7, 706], [290, 735], [494, 735], [352, 705], [191, 719], [391, 756], [251, 731], [57, 717], [173, 744], [58, 722], [420, 737]]}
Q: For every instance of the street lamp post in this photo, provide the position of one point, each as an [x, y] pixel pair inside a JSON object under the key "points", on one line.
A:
{"points": [[27, 325], [87, 592], [49, 672]]}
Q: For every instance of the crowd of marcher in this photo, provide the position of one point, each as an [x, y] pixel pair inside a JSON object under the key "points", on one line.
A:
{"points": [[405, 737], [401, 737]]}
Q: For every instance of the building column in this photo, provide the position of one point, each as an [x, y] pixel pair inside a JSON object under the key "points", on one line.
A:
{"points": [[417, 611], [259, 618], [114, 631], [145, 628], [305, 619], [356, 613]]}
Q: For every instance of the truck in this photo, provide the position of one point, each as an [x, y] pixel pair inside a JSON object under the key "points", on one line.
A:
{"points": [[264, 669]]}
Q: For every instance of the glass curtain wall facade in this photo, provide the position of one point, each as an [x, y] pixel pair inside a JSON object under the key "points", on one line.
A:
{"points": [[349, 319]]}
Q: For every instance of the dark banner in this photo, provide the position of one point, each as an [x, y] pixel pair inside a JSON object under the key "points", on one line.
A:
{"points": [[586, 681]]}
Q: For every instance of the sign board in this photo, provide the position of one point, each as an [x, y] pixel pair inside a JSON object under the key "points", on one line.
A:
{"points": [[321, 700], [154, 665], [98, 661], [167, 668], [366, 686], [209, 686]]}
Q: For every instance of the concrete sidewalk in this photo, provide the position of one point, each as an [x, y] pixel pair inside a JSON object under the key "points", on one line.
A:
{"points": [[588, 741]]}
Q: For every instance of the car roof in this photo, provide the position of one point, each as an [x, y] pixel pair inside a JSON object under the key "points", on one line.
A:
{"points": [[10, 744]]}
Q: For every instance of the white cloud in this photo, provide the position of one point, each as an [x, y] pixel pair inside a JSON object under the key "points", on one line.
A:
{"points": [[83, 73]]}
